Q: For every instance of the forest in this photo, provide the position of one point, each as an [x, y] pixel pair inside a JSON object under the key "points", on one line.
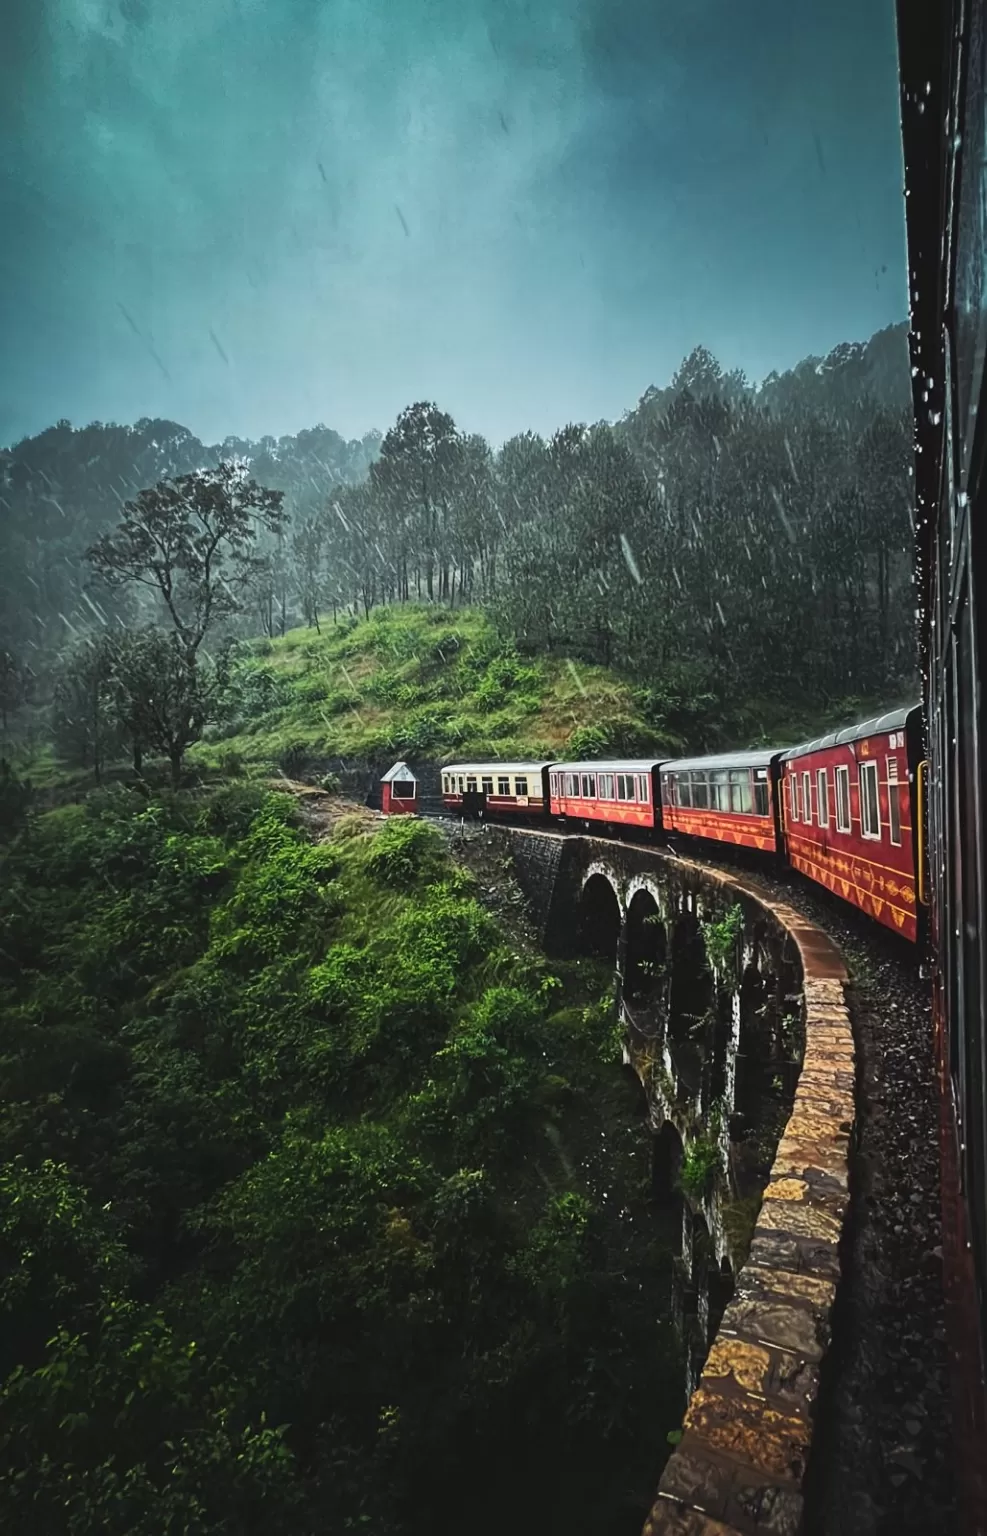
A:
{"points": [[323, 1205], [720, 541]]}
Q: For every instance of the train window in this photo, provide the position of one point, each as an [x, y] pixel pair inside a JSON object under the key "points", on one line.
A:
{"points": [[589, 786], [461, 784], [894, 802], [504, 785], [486, 785], [822, 797], [471, 784], [700, 791], [842, 799], [445, 783], [669, 790], [606, 786], [761, 807], [553, 783], [807, 798], [685, 791], [404, 789], [741, 799], [520, 786], [870, 811], [643, 793], [793, 796], [719, 790], [570, 785]]}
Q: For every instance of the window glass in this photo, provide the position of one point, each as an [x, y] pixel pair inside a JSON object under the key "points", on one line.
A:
{"points": [[822, 798], [404, 789], [643, 790], [719, 793], [700, 791], [685, 791], [807, 798], [570, 785], [461, 784], [761, 806], [894, 802], [589, 786], [470, 783], [741, 799], [843, 799], [520, 786], [486, 785], [504, 786], [606, 786], [793, 795], [870, 815]]}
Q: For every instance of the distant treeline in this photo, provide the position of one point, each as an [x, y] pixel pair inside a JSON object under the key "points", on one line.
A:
{"points": [[738, 537]]}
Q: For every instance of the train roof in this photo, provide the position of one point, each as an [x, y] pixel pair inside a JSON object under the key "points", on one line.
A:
{"points": [[489, 768], [758, 758], [894, 720], [625, 765]]}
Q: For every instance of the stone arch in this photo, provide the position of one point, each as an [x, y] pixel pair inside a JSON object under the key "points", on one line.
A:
{"points": [[720, 1287], [667, 1152], [691, 980], [599, 919], [753, 1040], [647, 950], [719, 1076]]}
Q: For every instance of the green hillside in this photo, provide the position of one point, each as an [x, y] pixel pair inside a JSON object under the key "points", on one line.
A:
{"points": [[423, 681]]}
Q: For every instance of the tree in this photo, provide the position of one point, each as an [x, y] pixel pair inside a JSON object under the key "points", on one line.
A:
{"points": [[308, 548], [13, 686], [191, 540], [163, 698], [84, 725]]}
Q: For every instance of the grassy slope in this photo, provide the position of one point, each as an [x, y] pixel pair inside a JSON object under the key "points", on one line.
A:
{"points": [[426, 682], [419, 680]]}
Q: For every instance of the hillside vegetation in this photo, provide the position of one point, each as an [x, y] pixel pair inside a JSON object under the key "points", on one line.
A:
{"points": [[426, 682], [320, 1199]]}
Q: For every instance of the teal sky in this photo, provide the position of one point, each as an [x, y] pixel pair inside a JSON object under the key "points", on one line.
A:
{"points": [[253, 215]]}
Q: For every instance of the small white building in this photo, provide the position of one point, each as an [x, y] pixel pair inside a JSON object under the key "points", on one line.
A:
{"points": [[399, 791]]}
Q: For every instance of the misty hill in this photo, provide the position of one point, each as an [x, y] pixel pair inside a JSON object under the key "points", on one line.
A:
{"points": [[717, 526], [856, 377], [64, 487]]}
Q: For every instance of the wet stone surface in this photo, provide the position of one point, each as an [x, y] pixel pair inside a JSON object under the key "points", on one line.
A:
{"points": [[881, 1458]]}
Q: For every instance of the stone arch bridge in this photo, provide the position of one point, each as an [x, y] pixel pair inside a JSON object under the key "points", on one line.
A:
{"points": [[737, 1026]]}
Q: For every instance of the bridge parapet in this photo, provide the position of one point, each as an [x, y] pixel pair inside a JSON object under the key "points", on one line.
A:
{"points": [[739, 1467]]}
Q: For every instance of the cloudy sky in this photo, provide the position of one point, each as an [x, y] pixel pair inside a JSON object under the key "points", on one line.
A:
{"points": [[253, 215]]}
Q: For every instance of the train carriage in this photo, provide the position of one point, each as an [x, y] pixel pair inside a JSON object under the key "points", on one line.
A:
{"points": [[492, 789], [942, 52], [618, 794], [729, 798], [847, 808]]}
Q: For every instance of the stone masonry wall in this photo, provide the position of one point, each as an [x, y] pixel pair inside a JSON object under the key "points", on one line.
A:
{"points": [[739, 1468]]}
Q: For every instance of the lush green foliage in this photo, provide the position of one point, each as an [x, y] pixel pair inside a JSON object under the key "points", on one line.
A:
{"points": [[302, 1179], [721, 937], [423, 681]]}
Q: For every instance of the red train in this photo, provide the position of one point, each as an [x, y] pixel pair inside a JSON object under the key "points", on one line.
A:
{"points": [[942, 54], [842, 809]]}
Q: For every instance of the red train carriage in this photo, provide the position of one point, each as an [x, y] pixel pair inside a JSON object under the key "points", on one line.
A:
{"points": [[847, 810], [942, 51], [488, 789], [730, 798], [614, 794]]}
